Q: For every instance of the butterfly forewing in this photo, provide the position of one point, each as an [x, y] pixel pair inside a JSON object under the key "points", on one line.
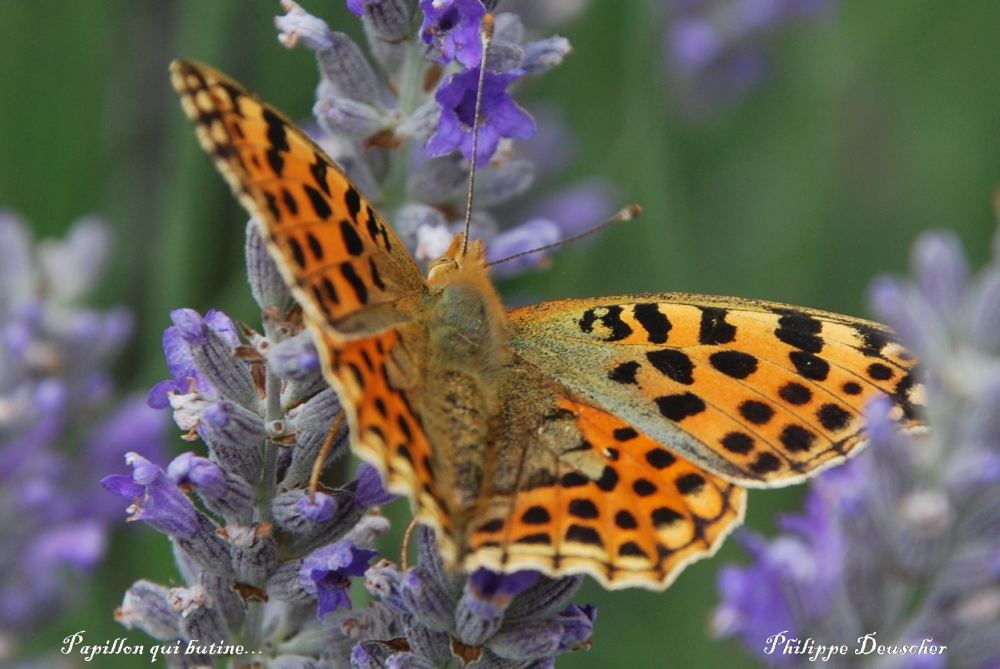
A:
{"points": [[760, 393], [344, 264]]}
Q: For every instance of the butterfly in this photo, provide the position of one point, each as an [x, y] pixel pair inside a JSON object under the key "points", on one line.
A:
{"points": [[612, 436]]}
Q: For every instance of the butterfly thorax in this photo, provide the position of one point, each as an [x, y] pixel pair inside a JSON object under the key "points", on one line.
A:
{"points": [[468, 335]]}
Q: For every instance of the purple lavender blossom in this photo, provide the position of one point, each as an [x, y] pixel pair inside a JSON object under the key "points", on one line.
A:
{"points": [[365, 129], [452, 27], [520, 620], [326, 573], [61, 425], [155, 498], [902, 540], [257, 535], [499, 116]]}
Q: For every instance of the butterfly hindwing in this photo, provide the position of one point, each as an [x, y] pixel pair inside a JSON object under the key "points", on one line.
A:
{"points": [[760, 393], [577, 490]]}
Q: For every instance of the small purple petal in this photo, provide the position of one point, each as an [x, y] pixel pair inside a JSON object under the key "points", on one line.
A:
{"points": [[578, 625], [200, 473], [320, 509], [370, 491], [158, 501], [325, 573]]}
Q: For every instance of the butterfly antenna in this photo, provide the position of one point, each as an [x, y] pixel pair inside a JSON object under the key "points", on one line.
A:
{"points": [[625, 214], [485, 37]]}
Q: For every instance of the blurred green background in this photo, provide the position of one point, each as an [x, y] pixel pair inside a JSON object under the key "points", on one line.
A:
{"points": [[876, 124]]}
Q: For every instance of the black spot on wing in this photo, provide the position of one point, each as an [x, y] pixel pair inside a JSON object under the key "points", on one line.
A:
{"points": [[625, 372], [608, 480], [756, 412], [611, 318], [331, 290], [765, 464], [872, 340], [583, 535], [277, 138], [376, 277], [632, 549], [626, 520], [714, 329], [272, 205], [673, 364], [540, 538], [690, 484], [795, 393], [352, 200], [800, 331], [625, 434], [796, 438], [810, 366], [318, 170], [297, 254], [660, 458], [653, 321], [665, 516], [583, 508], [833, 417], [735, 364], [352, 242], [536, 515], [678, 407], [360, 291], [376, 229], [880, 372], [314, 246], [319, 203], [491, 526], [290, 202], [738, 442]]}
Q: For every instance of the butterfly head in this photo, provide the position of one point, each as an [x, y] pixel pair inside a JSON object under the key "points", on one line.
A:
{"points": [[460, 259]]}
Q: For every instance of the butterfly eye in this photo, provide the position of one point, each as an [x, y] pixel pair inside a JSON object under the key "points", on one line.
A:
{"points": [[441, 267]]}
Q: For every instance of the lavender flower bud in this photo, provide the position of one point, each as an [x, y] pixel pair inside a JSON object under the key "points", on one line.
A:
{"points": [[545, 54], [527, 639], [427, 600], [503, 182], [941, 269], [349, 118], [198, 618], [147, 605], [233, 435], [254, 553], [266, 283], [295, 358]]}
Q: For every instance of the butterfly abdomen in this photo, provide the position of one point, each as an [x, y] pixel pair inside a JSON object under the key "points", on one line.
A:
{"points": [[468, 335]]}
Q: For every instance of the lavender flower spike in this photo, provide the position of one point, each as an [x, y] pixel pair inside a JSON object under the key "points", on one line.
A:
{"points": [[61, 423], [898, 548], [263, 558]]}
